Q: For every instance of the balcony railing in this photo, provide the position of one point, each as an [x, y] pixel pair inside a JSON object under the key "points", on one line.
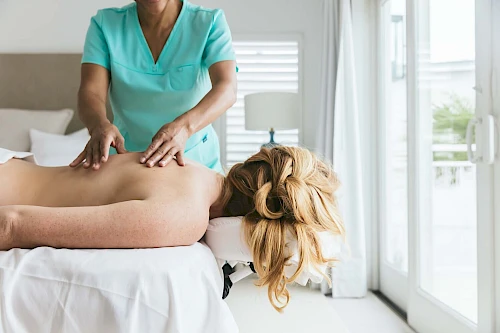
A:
{"points": [[452, 173]]}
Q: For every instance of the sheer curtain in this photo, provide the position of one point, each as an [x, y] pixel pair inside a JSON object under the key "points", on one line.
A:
{"points": [[339, 141]]}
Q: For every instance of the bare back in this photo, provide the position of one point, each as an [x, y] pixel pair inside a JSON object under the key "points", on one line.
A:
{"points": [[122, 178], [175, 198]]}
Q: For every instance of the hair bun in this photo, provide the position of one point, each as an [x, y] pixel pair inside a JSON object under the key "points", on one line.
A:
{"points": [[264, 198]]}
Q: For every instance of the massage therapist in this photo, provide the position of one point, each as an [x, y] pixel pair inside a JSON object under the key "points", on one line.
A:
{"points": [[170, 70]]}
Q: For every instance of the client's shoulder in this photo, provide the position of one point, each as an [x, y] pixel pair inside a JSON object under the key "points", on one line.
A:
{"points": [[196, 174], [190, 179], [185, 192]]}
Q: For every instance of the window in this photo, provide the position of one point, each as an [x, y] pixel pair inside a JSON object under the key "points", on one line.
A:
{"points": [[263, 66]]}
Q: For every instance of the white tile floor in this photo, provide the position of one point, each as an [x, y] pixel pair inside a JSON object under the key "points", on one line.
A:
{"points": [[310, 312], [307, 312], [368, 315]]}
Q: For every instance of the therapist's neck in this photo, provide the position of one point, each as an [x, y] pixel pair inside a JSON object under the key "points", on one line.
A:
{"points": [[157, 15]]}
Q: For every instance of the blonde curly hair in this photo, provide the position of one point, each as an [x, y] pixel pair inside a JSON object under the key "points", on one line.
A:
{"points": [[283, 190]]}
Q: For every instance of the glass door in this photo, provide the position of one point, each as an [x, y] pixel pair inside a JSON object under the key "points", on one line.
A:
{"points": [[439, 88], [450, 180]]}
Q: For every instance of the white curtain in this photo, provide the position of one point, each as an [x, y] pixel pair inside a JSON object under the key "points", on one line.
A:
{"points": [[339, 141], [331, 45]]}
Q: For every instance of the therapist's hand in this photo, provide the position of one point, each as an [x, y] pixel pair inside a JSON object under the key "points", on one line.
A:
{"points": [[102, 137], [167, 143]]}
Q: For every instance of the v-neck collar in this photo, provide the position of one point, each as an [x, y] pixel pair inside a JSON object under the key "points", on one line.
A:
{"points": [[144, 41]]}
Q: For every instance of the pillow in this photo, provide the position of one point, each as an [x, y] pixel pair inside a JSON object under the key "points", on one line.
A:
{"points": [[15, 125], [57, 150], [224, 236]]}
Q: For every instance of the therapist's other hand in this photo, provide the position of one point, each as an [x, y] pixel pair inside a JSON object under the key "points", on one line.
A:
{"points": [[167, 143], [102, 137]]}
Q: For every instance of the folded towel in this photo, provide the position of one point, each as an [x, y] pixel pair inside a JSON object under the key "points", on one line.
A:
{"points": [[6, 155]]}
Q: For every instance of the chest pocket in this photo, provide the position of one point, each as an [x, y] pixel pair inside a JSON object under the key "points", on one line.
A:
{"points": [[183, 77]]}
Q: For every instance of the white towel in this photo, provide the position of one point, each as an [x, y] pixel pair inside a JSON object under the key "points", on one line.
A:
{"points": [[6, 155], [225, 239], [330, 249]]}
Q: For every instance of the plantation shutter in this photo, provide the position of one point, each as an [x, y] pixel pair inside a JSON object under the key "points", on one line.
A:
{"points": [[263, 67]]}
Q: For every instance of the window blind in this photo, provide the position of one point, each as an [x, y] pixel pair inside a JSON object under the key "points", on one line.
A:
{"points": [[263, 67]]}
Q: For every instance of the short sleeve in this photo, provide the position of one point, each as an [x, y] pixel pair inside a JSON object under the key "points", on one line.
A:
{"points": [[96, 49], [219, 46]]}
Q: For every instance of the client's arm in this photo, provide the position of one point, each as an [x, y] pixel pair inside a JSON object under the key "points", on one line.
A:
{"points": [[130, 224]]}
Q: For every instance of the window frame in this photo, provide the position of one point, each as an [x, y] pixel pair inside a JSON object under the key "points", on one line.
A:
{"points": [[392, 283]]}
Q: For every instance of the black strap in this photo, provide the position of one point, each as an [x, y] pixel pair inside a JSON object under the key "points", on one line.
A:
{"points": [[227, 270], [228, 284]]}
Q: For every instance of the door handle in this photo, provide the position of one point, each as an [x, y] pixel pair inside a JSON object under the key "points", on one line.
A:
{"points": [[489, 150], [473, 158], [488, 146]]}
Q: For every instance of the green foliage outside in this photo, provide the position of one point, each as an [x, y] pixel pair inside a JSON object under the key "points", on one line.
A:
{"points": [[450, 125]]}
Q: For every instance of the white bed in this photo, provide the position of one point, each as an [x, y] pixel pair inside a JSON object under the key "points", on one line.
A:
{"points": [[149, 290], [47, 290]]}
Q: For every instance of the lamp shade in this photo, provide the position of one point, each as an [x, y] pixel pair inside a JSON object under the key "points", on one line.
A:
{"points": [[277, 110]]}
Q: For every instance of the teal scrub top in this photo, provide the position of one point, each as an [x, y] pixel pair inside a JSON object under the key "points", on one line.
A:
{"points": [[145, 95]]}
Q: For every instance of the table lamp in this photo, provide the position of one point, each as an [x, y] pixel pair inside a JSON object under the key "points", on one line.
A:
{"points": [[270, 111]]}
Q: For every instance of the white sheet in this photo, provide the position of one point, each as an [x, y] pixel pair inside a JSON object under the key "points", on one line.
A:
{"points": [[6, 155], [77, 291]]}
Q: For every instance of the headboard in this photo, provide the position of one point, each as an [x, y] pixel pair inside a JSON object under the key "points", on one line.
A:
{"points": [[41, 82]]}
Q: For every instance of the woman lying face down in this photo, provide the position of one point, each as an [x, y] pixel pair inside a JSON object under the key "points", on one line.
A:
{"points": [[279, 191]]}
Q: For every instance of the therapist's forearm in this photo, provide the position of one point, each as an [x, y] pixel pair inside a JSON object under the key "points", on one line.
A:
{"points": [[92, 95], [91, 109], [218, 100]]}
